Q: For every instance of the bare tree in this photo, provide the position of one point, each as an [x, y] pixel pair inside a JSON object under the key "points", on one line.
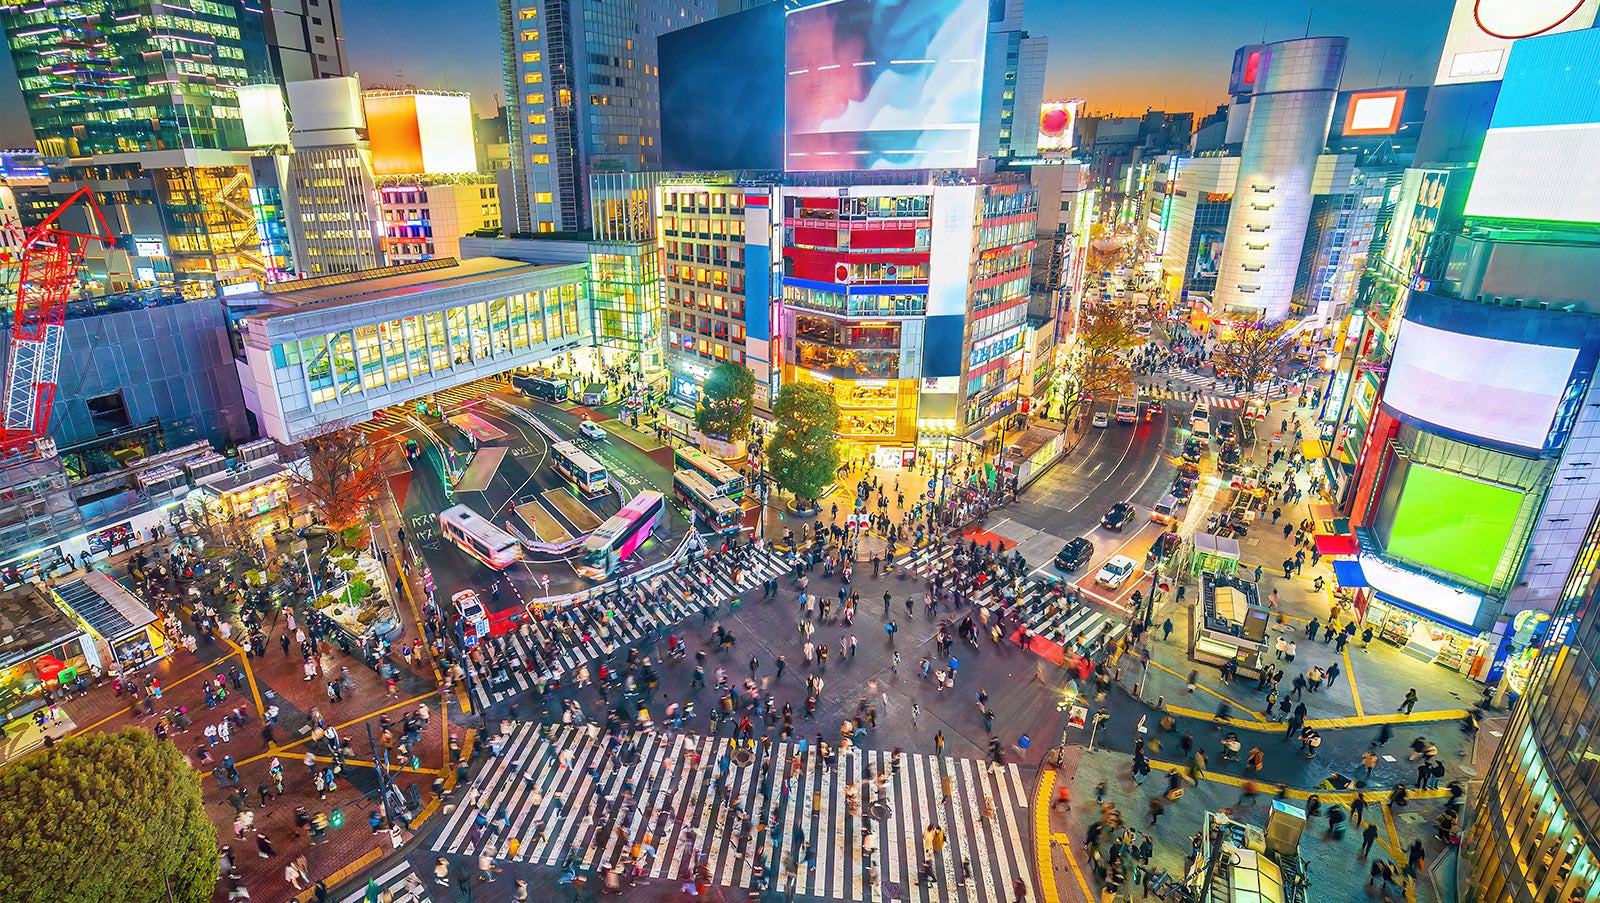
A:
{"points": [[1255, 352], [341, 476], [1100, 366]]}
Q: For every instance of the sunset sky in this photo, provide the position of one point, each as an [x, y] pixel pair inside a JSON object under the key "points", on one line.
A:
{"points": [[1120, 57]]}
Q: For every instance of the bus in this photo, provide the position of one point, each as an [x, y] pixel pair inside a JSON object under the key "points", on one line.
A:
{"points": [[615, 540], [543, 389], [479, 538], [717, 510], [580, 470], [728, 483]]}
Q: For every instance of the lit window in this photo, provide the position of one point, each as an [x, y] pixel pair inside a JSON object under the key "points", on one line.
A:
{"points": [[541, 159], [547, 227], [533, 78], [534, 100], [536, 119], [543, 197], [531, 34], [622, 139], [531, 56], [528, 14], [539, 138]]}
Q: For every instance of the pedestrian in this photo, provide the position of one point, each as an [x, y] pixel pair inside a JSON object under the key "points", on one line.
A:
{"points": [[1409, 703], [1332, 673], [1166, 629], [1369, 834]]}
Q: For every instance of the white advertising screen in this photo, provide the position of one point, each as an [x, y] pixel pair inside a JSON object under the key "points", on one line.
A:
{"points": [[1482, 31], [266, 117], [1499, 391], [445, 124], [1528, 173]]}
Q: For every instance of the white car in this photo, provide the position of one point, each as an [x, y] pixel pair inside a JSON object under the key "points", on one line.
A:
{"points": [[593, 430], [1115, 572], [1101, 419]]}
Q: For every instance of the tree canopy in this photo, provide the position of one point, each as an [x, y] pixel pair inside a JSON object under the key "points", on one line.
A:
{"points": [[726, 402], [342, 477], [1101, 369], [1255, 352], [108, 818], [804, 451]]}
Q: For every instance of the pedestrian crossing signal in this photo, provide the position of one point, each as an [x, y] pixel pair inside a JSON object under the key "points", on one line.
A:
{"points": [[336, 819]]}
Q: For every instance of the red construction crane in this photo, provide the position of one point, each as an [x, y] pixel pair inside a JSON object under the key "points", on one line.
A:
{"points": [[51, 256]]}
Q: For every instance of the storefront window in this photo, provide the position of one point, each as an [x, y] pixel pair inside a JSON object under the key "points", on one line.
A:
{"points": [[367, 351], [519, 321], [416, 345], [480, 330], [345, 375], [456, 317], [438, 345], [394, 350]]}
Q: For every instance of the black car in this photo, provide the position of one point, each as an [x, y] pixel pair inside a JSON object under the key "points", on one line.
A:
{"points": [[1075, 554], [1117, 516], [1224, 429]]}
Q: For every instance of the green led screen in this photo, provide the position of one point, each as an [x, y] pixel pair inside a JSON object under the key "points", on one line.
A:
{"points": [[1453, 523]]}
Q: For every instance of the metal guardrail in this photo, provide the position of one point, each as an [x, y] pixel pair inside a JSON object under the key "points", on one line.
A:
{"points": [[586, 595]]}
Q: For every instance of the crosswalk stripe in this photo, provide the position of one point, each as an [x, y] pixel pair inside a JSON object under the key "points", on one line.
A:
{"points": [[401, 881]]}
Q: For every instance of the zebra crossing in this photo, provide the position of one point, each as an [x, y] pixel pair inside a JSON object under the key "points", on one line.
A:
{"points": [[540, 798], [400, 881], [1185, 384], [679, 594], [1074, 627]]}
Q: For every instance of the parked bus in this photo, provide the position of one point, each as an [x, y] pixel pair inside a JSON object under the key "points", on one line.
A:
{"points": [[580, 470], [544, 389], [715, 509], [479, 538], [728, 482], [616, 539]]}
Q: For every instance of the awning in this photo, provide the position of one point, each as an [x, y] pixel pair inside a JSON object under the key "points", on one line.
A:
{"points": [[1312, 449], [1347, 573], [1329, 544]]}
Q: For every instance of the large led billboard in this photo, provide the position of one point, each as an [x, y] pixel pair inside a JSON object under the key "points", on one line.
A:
{"points": [[1504, 377], [1058, 121], [419, 132], [1537, 160], [266, 118], [878, 85], [1416, 217], [1374, 112], [1482, 31], [1453, 523], [722, 93]]}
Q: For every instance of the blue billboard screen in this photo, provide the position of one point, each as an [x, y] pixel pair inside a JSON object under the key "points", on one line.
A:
{"points": [[722, 93], [873, 84]]}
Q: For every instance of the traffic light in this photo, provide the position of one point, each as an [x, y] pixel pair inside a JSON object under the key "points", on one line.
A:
{"points": [[336, 819]]}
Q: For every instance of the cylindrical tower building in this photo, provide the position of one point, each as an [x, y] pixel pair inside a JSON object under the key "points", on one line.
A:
{"points": [[1534, 835], [1285, 93]]}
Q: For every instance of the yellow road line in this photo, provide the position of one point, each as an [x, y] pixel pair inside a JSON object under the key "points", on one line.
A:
{"points": [[1233, 702], [1349, 678], [164, 688], [341, 727], [1042, 836], [1327, 796], [1325, 723]]}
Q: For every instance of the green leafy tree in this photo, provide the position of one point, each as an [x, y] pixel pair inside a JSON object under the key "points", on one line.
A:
{"points": [[804, 451], [1255, 353], [112, 818], [1100, 366], [726, 402]]}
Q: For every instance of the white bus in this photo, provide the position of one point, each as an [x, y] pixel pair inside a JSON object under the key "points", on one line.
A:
{"points": [[580, 470], [479, 538]]}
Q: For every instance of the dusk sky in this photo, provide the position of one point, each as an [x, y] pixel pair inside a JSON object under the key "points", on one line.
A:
{"points": [[1120, 57]]}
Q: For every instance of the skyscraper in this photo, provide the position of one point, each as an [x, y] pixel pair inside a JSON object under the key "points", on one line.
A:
{"points": [[581, 96], [1013, 84], [306, 39], [123, 76], [1284, 95], [334, 225]]}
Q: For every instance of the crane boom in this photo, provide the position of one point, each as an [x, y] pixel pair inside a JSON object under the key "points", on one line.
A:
{"points": [[51, 256]]}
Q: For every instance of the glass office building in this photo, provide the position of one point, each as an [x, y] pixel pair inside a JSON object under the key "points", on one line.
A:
{"points": [[123, 76], [1533, 835]]}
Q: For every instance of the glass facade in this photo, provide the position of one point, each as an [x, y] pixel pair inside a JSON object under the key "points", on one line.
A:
{"points": [[121, 76], [1533, 836], [414, 350], [625, 287]]}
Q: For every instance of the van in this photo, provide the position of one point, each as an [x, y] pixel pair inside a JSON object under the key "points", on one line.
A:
{"points": [[1127, 412], [1165, 511], [1202, 431]]}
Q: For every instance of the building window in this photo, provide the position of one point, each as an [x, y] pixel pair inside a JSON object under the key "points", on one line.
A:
{"points": [[533, 78], [542, 197], [541, 159], [536, 119], [547, 227], [530, 34], [539, 138], [523, 14], [531, 56], [535, 100]]}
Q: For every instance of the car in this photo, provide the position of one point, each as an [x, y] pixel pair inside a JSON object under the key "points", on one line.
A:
{"points": [[1224, 429], [413, 450], [1117, 516], [1101, 419], [1075, 554], [472, 613], [1116, 572], [593, 430]]}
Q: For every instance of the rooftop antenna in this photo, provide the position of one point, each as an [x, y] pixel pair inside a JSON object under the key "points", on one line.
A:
{"points": [[1264, 20], [1309, 11]]}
